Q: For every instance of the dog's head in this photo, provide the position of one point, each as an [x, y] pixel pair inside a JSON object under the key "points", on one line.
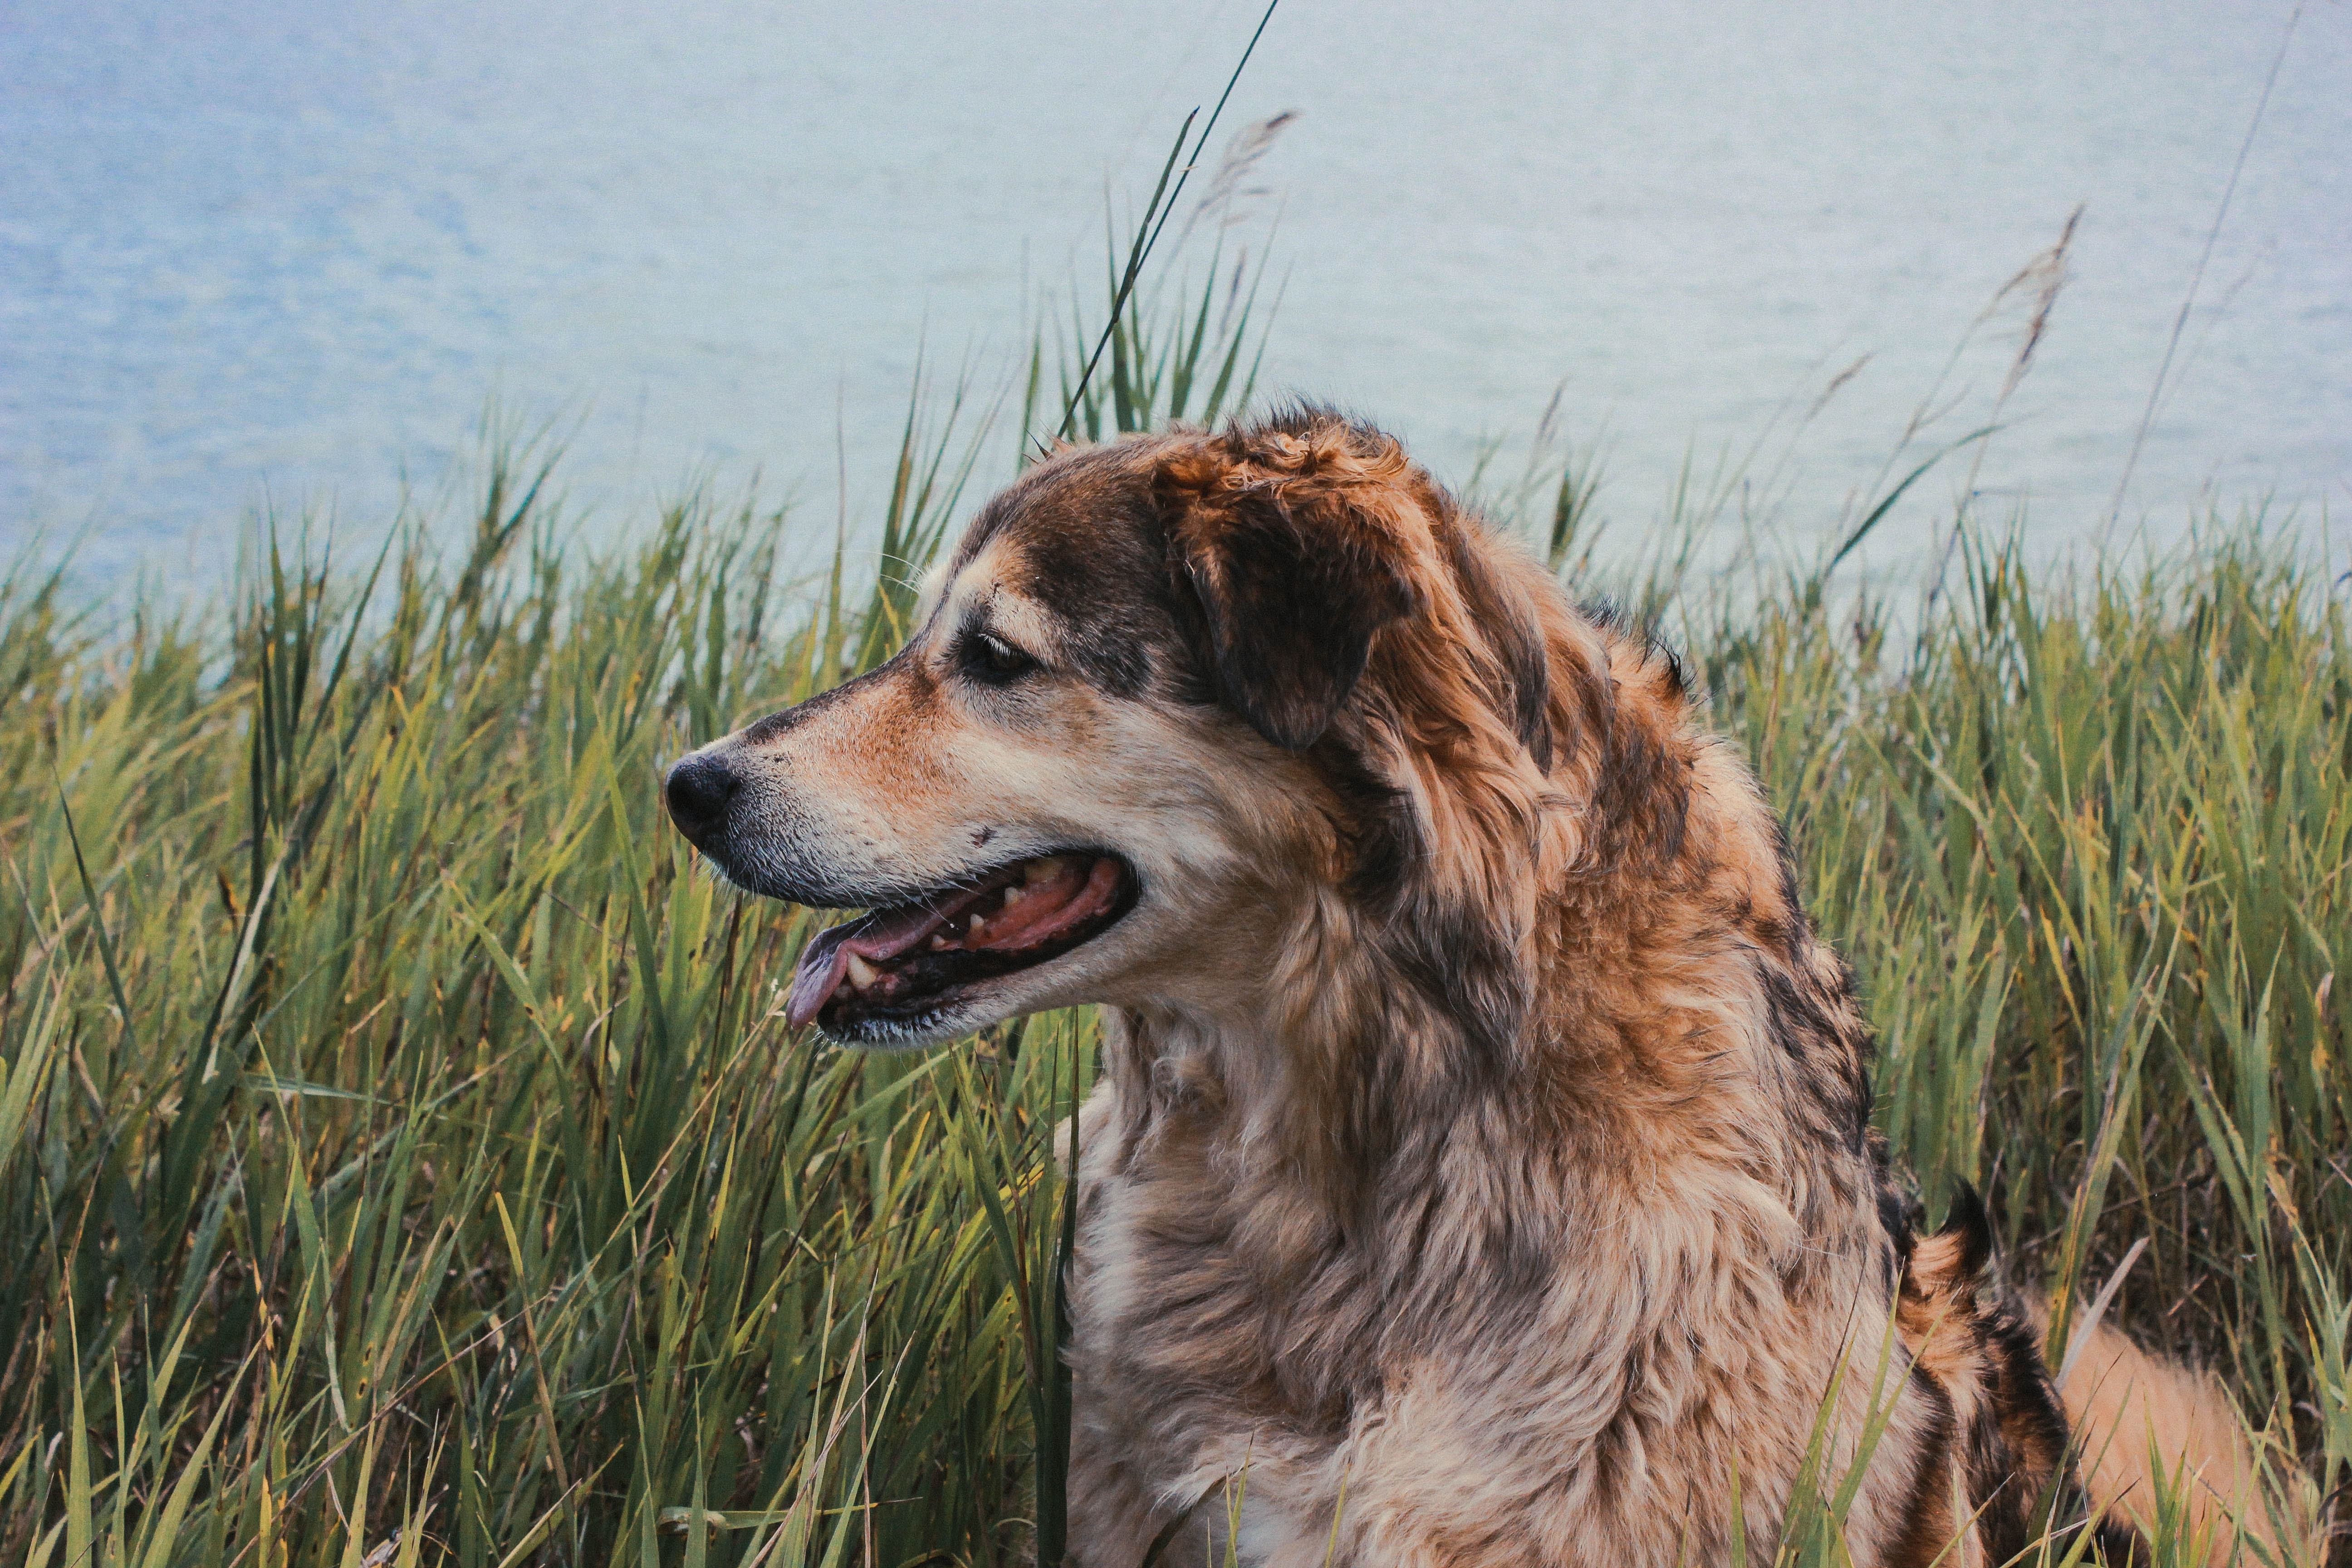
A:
{"points": [[1180, 713]]}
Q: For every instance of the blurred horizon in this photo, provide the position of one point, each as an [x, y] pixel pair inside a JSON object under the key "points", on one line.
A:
{"points": [[256, 255]]}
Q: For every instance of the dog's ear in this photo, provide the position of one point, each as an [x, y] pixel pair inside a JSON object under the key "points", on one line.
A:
{"points": [[1294, 582]]}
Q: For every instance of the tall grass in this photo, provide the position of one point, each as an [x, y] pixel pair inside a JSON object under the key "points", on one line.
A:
{"points": [[2085, 842], [402, 1159]]}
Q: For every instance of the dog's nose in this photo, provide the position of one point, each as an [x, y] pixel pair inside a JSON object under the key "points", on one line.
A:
{"points": [[698, 790]]}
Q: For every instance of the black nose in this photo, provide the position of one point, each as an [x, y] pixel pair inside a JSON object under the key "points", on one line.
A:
{"points": [[699, 789]]}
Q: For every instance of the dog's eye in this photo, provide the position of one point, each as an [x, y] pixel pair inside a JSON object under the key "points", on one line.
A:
{"points": [[992, 657]]}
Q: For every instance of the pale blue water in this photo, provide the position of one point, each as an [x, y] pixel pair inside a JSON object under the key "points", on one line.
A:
{"points": [[276, 252]]}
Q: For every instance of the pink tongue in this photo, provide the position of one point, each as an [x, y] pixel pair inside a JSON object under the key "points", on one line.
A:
{"points": [[1051, 904], [827, 958], [814, 982]]}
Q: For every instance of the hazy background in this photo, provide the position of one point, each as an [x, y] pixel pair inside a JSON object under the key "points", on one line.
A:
{"points": [[260, 252]]}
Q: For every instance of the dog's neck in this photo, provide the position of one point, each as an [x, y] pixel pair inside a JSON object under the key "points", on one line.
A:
{"points": [[1413, 1131], [1663, 1031]]}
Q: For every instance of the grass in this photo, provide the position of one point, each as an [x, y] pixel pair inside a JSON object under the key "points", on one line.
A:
{"points": [[402, 1159]]}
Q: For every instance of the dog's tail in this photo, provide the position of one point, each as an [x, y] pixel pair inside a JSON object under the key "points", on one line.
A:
{"points": [[2158, 1439]]}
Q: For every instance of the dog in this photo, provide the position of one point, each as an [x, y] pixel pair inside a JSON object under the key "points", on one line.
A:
{"points": [[1480, 1170]]}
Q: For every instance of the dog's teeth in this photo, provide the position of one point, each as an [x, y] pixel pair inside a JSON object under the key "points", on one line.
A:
{"points": [[862, 975], [1037, 871], [973, 931], [1014, 894], [939, 944]]}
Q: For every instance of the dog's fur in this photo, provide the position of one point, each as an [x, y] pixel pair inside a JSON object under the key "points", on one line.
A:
{"points": [[1480, 1171]]}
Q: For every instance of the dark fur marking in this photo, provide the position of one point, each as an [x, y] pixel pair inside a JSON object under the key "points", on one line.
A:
{"points": [[1089, 572], [1303, 417], [1795, 928], [1965, 1218], [1090, 551], [1678, 681], [1097, 470], [1292, 609], [2117, 1544], [1926, 1527], [1642, 793], [1895, 1216], [2020, 1462], [1794, 1022], [1602, 612], [1383, 837], [1457, 958], [1995, 1491], [1830, 1051], [1510, 624], [2032, 1422]]}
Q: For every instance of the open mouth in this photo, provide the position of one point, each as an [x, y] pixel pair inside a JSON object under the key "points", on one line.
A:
{"points": [[905, 963]]}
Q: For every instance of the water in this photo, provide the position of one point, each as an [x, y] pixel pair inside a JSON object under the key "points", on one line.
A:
{"points": [[271, 254]]}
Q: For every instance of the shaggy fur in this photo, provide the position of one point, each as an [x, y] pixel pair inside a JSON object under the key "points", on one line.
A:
{"points": [[1480, 1173]]}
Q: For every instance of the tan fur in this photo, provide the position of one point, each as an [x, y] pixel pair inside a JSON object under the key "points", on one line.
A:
{"points": [[1481, 1136], [2132, 1412]]}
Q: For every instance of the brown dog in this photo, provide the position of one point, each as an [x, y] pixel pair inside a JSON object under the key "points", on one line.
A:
{"points": [[1481, 1172]]}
